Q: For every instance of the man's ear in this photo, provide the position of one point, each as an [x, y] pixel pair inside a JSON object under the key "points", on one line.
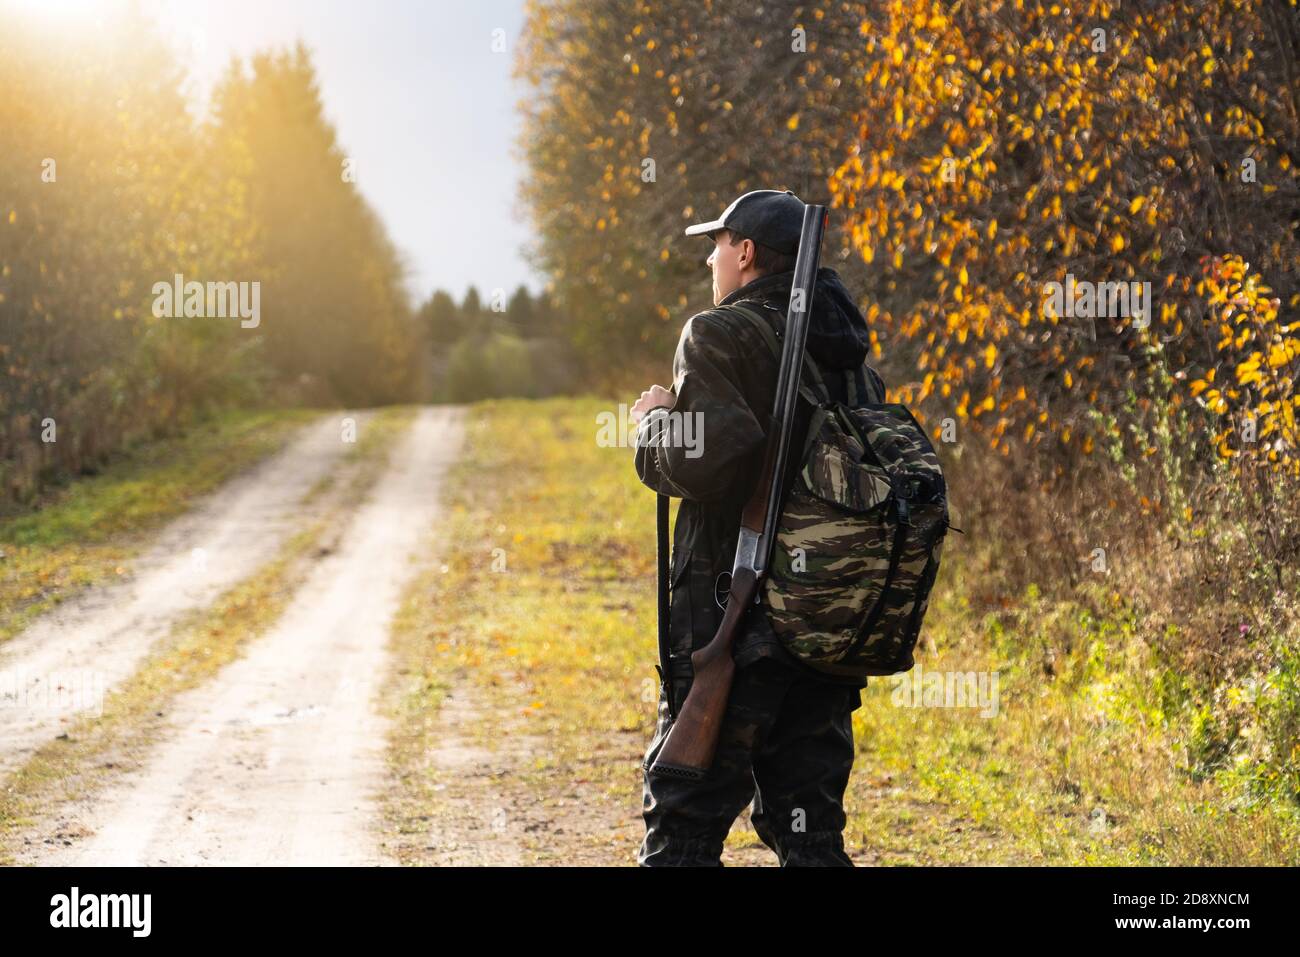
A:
{"points": [[747, 252]]}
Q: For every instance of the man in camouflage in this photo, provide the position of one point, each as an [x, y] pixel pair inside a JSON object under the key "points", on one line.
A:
{"points": [[787, 738]]}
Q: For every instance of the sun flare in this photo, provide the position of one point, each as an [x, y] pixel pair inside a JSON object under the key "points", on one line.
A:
{"points": [[57, 9]]}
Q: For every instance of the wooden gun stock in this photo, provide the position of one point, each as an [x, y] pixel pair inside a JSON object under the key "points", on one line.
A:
{"points": [[693, 739]]}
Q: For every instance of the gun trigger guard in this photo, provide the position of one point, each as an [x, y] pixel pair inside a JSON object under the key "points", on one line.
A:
{"points": [[722, 592]]}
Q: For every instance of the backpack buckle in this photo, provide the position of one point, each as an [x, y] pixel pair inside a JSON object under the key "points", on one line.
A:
{"points": [[904, 490]]}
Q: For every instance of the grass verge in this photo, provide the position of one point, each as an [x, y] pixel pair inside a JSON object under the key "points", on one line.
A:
{"points": [[542, 605], [86, 533]]}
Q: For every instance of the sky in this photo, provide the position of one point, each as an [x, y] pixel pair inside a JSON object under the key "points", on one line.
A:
{"points": [[419, 101]]}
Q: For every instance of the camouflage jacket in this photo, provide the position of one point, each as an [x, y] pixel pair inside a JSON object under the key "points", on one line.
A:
{"points": [[724, 376]]}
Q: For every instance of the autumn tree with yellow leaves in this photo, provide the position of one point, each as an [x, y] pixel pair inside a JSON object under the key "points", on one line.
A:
{"points": [[975, 154], [1002, 147], [642, 118]]}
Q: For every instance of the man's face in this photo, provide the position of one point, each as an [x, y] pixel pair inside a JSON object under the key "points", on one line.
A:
{"points": [[726, 262]]}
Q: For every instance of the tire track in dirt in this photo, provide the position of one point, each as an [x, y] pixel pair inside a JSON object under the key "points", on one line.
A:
{"points": [[277, 759], [97, 639]]}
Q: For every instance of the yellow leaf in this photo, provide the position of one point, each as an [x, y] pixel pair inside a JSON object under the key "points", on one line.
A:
{"points": [[793, 122], [1117, 243], [1136, 205]]}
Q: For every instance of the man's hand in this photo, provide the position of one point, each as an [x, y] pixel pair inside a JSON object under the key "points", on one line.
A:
{"points": [[654, 397]]}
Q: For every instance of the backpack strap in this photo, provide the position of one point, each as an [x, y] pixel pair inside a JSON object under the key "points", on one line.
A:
{"points": [[851, 386], [812, 377], [874, 384], [865, 387]]}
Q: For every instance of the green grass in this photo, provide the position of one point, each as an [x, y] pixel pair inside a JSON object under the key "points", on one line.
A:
{"points": [[561, 645], [1088, 760], [87, 532]]}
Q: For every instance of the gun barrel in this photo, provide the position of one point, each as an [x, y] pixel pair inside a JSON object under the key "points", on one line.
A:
{"points": [[806, 264]]}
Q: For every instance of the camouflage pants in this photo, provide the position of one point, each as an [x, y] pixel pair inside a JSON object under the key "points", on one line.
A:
{"points": [[786, 744]]}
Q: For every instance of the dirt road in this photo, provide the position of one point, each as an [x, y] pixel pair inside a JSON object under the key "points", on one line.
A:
{"points": [[276, 759], [98, 639]]}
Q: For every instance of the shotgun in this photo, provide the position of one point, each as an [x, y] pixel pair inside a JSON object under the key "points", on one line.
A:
{"points": [[688, 750]]}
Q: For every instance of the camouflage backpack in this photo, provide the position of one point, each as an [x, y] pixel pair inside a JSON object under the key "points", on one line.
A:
{"points": [[860, 533]]}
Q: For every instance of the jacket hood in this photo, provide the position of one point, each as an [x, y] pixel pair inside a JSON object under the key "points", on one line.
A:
{"points": [[837, 332]]}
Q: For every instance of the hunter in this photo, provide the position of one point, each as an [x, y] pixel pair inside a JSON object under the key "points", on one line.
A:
{"points": [[786, 742]]}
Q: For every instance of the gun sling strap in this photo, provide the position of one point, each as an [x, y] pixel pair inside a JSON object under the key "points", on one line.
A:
{"points": [[661, 554]]}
